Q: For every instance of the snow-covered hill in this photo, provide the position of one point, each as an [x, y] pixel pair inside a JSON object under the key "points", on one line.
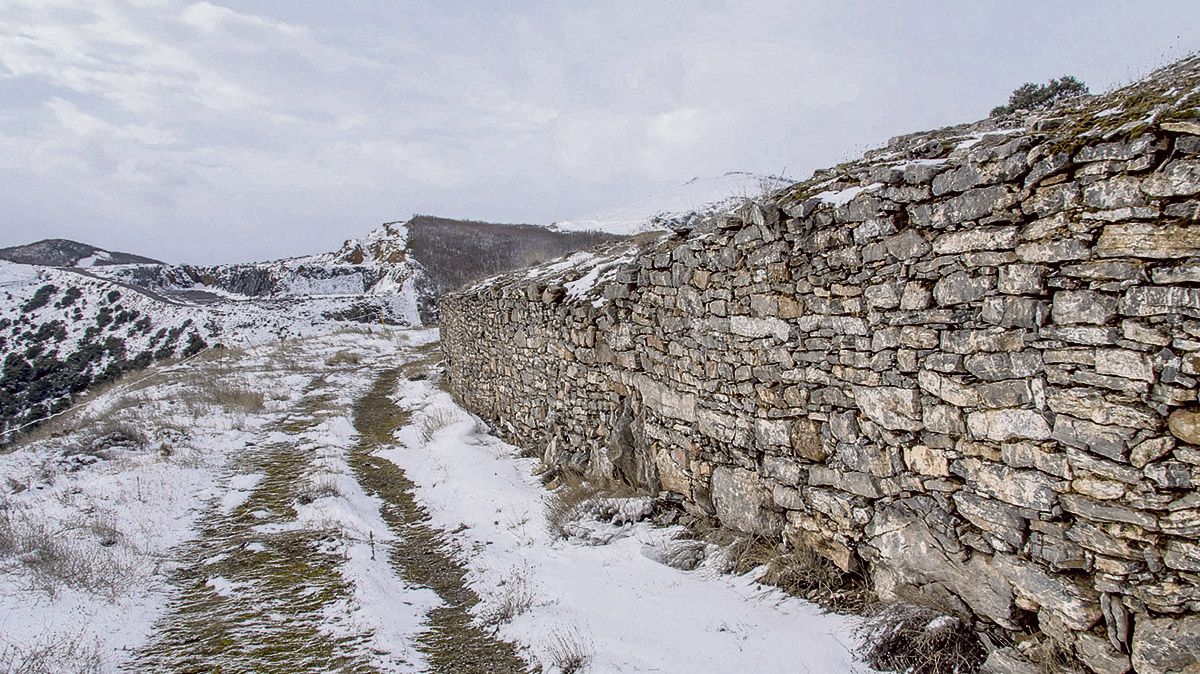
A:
{"points": [[67, 253], [75, 318], [62, 332], [368, 280], [697, 198]]}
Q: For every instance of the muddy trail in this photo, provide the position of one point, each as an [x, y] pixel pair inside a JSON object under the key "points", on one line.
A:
{"points": [[452, 643], [258, 591]]}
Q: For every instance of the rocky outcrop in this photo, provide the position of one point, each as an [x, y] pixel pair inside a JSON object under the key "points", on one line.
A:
{"points": [[966, 362]]}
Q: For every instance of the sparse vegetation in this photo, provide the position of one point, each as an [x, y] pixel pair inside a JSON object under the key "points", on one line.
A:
{"points": [[575, 500], [798, 570], [918, 640], [343, 357], [516, 598], [433, 420], [685, 554], [318, 487], [41, 297], [53, 559], [52, 654], [569, 651], [1030, 96]]}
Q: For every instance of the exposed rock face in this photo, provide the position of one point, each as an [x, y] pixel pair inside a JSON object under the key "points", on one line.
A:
{"points": [[968, 361]]}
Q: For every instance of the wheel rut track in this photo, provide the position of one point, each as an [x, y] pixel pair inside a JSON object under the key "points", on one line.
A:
{"points": [[453, 644]]}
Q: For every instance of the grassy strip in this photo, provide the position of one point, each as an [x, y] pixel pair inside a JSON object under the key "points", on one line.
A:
{"points": [[452, 643]]}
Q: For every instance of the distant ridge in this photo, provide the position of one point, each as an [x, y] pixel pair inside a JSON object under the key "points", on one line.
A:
{"points": [[67, 253]]}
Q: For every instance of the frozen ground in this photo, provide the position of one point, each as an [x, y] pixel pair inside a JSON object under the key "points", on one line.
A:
{"points": [[228, 512], [614, 601]]}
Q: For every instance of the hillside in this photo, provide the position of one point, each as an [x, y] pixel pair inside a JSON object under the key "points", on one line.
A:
{"points": [[457, 252], [78, 316], [61, 333], [67, 253]]}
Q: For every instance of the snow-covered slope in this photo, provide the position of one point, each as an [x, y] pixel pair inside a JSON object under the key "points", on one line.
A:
{"points": [[697, 198], [62, 332], [67, 253], [74, 320], [369, 280]]}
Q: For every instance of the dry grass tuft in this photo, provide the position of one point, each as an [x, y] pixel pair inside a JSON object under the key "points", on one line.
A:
{"points": [[317, 488], [343, 357], [434, 419], [575, 500], [685, 554], [516, 598], [569, 651], [565, 502], [54, 559], [58, 654], [800, 571], [917, 640]]}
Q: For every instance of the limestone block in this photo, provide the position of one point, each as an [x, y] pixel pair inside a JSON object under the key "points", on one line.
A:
{"points": [[907, 245], [1166, 645], [1150, 450], [999, 519], [1054, 251], [971, 205], [1185, 425], [958, 180], [1088, 403], [1099, 655], [804, 436], [1116, 192], [1178, 178], [897, 409], [1145, 240], [975, 238], [948, 389], [1083, 306], [1022, 279], [1102, 511], [1077, 605], [1023, 488], [1010, 312], [927, 461], [960, 288], [1157, 300], [758, 328], [997, 366], [665, 401], [741, 500], [1108, 441]]}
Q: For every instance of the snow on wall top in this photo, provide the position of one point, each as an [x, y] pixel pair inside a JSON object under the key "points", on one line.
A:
{"points": [[699, 195]]}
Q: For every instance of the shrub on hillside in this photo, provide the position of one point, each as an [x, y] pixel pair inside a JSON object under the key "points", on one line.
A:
{"points": [[1030, 96], [41, 297]]}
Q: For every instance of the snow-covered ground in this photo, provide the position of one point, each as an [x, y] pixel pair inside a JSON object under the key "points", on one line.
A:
{"points": [[204, 513], [699, 195], [99, 519], [617, 602]]}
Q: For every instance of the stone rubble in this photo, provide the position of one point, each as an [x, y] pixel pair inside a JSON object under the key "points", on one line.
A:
{"points": [[966, 363]]}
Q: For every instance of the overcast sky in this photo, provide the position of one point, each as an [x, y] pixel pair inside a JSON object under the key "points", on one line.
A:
{"points": [[235, 131]]}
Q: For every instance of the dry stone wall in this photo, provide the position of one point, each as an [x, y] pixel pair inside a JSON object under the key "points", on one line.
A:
{"points": [[966, 363]]}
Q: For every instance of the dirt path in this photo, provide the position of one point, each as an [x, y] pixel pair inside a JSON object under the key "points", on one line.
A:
{"points": [[452, 643], [256, 592], [259, 591]]}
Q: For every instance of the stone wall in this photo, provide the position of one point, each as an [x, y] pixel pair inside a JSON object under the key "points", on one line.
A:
{"points": [[966, 363]]}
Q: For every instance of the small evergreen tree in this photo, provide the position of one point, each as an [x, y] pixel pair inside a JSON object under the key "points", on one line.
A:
{"points": [[1030, 96]]}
